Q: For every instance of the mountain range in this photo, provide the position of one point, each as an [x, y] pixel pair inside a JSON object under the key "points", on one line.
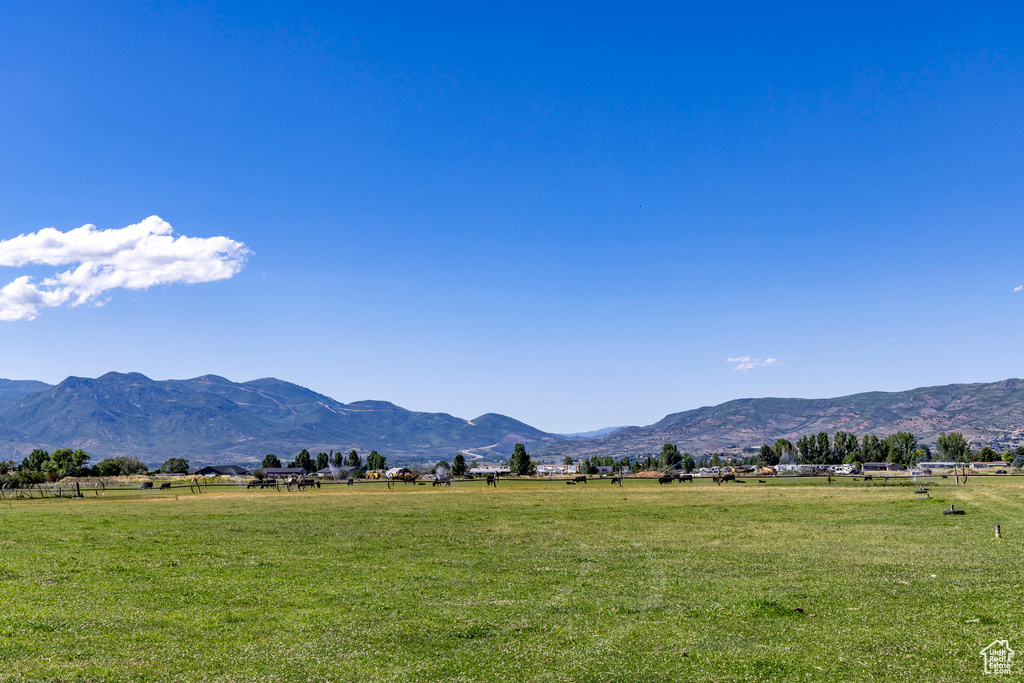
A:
{"points": [[987, 414], [211, 420]]}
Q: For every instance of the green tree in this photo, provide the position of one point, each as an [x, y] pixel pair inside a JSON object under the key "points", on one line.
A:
{"points": [[1008, 457], [174, 466], [670, 456], [845, 447], [35, 461], [519, 463], [784, 448], [442, 466], [459, 466], [567, 460], [716, 461], [122, 465], [901, 446], [871, 449], [337, 459], [376, 461], [823, 450], [68, 462], [807, 448], [768, 456], [687, 463], [353, 460], [303, 460], [271, 460], [988, 455], [953, 447], [321, 460]]}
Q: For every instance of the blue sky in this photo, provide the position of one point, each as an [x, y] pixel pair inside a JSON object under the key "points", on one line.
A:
{"points": [[571, 214]]}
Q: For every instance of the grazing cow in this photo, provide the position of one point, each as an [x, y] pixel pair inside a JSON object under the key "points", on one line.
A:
{"points": [[570, 483], [582, 479], [867, 478], [740, 481], [686, 477], [165, 485], [490, 480], [761, 481], [350, 481], [728, 477], [665, 479]]}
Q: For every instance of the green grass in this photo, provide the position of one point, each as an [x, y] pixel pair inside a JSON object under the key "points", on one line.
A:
{"points": [[533, 581]]}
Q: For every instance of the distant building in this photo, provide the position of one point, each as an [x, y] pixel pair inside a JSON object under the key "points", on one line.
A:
{"points": [[937, 465], [986, 465], [281, 472], [549, 470], [337, 472], [222, 471], [883, 467], [500, 469]]}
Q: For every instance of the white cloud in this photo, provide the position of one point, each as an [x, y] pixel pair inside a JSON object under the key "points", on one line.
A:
{"points": [[1018, 288], [745, 363], [136, 257]]}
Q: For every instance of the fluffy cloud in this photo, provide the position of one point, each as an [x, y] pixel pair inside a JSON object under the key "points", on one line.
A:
{"points": [[744, 363], [136, 257], [1018, 288]]}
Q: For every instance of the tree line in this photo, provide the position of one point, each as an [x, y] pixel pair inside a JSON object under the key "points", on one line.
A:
{"points": [[669, 458], [901, 448], [40, 466], [337, 460]]}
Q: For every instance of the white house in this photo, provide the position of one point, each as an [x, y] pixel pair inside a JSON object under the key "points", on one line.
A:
{"points": [[499, 469], [550, 470]]}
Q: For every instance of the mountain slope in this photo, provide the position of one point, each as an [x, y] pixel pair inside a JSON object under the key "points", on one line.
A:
{"points": [[13, 390], [987, 414], [210, 419]]}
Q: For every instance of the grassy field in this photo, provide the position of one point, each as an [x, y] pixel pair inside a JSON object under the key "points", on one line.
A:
{"points": [[533, 581]]}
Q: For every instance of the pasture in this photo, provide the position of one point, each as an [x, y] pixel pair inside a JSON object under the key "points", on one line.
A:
{"points": [[532, 581]]}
